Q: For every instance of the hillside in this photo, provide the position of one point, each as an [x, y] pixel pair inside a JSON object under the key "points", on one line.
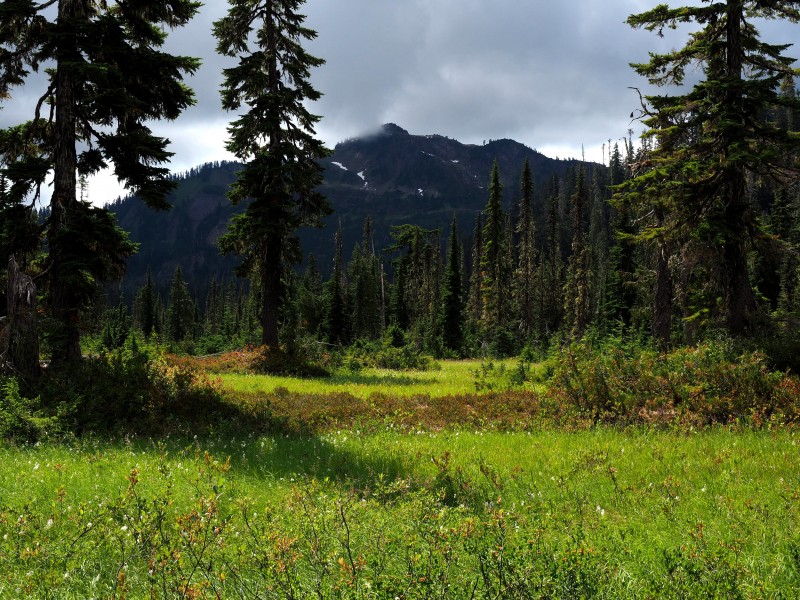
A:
{"points": [[391, 176]]}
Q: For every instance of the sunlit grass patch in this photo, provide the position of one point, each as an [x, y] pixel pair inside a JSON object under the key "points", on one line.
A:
{"points": [[451, 378]]}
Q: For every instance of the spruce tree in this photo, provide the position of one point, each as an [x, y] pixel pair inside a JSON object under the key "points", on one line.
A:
{"points": [[274, 136], [494, 260], [180, 319], [576, 294], [551, 266], [525, 280], [106, 78], [475, 295], [311, 298], [452, 311], [711, 139], [337, 325], [145, 315]]}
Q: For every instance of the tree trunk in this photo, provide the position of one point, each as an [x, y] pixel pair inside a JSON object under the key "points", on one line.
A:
{"points": [[63, 303], [21, 335], [271, 280], [662, 299]]}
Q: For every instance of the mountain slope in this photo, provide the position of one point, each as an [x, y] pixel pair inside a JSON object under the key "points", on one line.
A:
{"points": [[391, 176]]}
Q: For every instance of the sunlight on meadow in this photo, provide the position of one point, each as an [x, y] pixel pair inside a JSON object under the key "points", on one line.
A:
{"points": [[450, 378]]}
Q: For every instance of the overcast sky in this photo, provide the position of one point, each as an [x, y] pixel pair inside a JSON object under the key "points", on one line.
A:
{"points": [[552, 74]]}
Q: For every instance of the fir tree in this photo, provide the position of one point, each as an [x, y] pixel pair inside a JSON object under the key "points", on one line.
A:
{"points": [[311, 298], [274, 137], [551, 266], [336, 322], [710, 140], [576, 294], [475, 297], [494, 260], [106, 78], [180, 309], [525, 280], [145, 314], [452, 311]]}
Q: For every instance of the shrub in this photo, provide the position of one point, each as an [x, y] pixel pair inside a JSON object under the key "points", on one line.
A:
{"points": [[131, 391], [386, 354], [703, 385], [21, 418]]}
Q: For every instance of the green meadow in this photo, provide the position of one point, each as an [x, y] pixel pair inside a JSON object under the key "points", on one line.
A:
{"points": [[600, 513], [446, 378], [417, 512]]}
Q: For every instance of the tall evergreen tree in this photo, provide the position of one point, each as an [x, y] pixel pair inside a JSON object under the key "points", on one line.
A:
{"points": [[494, 260], [475, 295], [452, 311], [106, 78], [275, 138], [145, 307], [597, 243], [711, 139], [336, 322], [551, 266], [180, 320], [576, 293], [525, 280], [364, 274], [311, 298]]}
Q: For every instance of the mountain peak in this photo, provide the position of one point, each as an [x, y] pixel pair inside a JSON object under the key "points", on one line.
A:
{"points": [[392, 129]]}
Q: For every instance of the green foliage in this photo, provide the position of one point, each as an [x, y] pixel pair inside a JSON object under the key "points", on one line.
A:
{"points": [[705, 146], [100, 105], [386, 354], [597, 514], [128, 390], [22, 419], [274, 134], [700, 386]]}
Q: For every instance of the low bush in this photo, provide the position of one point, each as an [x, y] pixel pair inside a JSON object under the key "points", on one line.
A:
{"points": [[129, 390], [703, 385], [22, 419], [388, 353]]}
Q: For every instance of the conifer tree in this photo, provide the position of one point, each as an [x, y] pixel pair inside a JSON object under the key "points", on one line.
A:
{"points": [[620, 295], [415, 293], [145, 314], [274, 136], [364, 274], [180, 320], [475, 296], [525, 280], [551, 266], [711, 139], [336, 321], [452, 311], [106, 78], [494, 260], [311, 298], [576, 295]]}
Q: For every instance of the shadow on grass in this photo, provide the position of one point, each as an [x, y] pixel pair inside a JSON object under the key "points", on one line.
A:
{"points": [[377, 380]]}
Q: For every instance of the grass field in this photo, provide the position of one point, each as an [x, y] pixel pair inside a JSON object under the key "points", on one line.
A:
{"points": [[461, 512], [447, 378]]}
